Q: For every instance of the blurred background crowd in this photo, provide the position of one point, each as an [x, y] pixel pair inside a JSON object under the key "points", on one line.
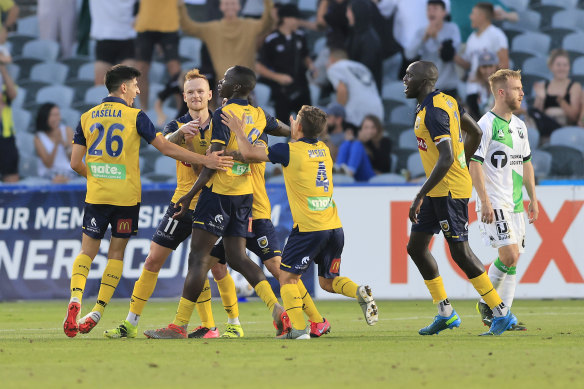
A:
{"points": [[346, 56]]}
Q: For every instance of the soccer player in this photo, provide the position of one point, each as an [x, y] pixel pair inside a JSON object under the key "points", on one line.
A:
{"points": [[318, 234], [224, 207], [499, 168], [442, 202], [108, 136], [192, 132]]}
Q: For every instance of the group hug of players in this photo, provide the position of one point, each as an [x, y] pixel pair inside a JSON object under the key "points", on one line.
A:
{"points": [[221, 202]]}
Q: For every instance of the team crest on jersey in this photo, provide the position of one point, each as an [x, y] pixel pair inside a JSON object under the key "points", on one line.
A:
{"points": [[500, 133], [444, 225], [520, 132], [422, 144], [418, 120], [263, 242]]}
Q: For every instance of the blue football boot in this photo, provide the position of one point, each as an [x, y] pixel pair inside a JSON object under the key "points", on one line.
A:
{"points": [[501, 324], [441, 323]]}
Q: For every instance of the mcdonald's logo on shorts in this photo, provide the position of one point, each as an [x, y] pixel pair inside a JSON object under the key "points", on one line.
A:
{"points": [[335, 266], [124, 226]]}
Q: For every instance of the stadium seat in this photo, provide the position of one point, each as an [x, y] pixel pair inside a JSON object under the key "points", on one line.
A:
{"points": [[578, 65], [388, 178], [557, 34], [530, 42], [528, 21], [42, 49], [157, 72], [25, 144], [568, 136], [59, 94], [415, 166], [70, 117], [542, 163], [22, 119], [536, 66], [574, 43], [86, 71], [403, 115], [74, 63], [394, 91], [319, 45], [17, 42], [165, 165], [408, 140], [49, 72], [95, 94], [272, 140], [308, 5], [402, 158], [342, 179], [528, 80], [14, 71], [566, 161], [253, 8], [262, 94], [19, 99], [533, 138], [517, 5], [28, 25], [571, 18], [189, 49], [155, 88]]}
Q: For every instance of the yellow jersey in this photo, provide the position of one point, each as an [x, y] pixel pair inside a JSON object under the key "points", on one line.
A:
{"points": [[261, 208], [308, 171], [438, 118], [185, 175], [111, 132], [237, 180]]}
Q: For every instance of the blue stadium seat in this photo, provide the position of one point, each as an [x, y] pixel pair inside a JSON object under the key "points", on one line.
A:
{"points": [[95, 94], [49, 72], [388, 178], [537, 66], [535, 43], [25, 143], [529, 20], [308, 5], [578, 65], [572, 18], [517, 5], [566, 161], [14, 71], [189, 49], [70, 117], [402, 115], [42, 49], [574, 43], [22, 119], [17, 42], [533, 138], [542, 163], [571, 136], [157, 72], [408, 140], [415, 166], [19, 99], [86, 71], [262, 94], [28, 25], [59, 94]]}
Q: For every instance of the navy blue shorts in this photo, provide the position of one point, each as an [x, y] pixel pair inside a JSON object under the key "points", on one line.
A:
{"points": [[446, 214], [172, 232], [322, 247], [263, 242], [223, 215], [97, 217]]}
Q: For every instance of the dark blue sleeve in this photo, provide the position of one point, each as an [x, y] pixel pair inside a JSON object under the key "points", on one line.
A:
{"points": [[271, 123], [437, 122], [170, 128], [145, 127], [279, 153], [263, 139], [78, 136], [220, 133]]}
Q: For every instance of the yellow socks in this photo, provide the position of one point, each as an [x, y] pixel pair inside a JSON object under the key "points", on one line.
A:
{"points": [[143, 289], [436, 288], [265, 292], [81, 267], [344, 286], [293, 305], [308, 305], [485, 288], [109, 282], [204, 306], [228, 294], [184, 312]]}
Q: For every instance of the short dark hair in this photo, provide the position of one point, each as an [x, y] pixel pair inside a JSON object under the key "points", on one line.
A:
{"points": [[42, 118], [438, 2], [312, 120], [119, 74], [487, 8], [245, 77]]}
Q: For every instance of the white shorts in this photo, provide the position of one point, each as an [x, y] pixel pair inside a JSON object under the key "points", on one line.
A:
{"points": [[507, 229]]}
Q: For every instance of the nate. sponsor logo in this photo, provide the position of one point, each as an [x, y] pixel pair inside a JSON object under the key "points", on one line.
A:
{"points": [[110, 171], [320, 203]]}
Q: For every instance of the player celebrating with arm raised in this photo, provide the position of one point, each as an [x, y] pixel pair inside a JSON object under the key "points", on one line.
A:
{"points": [[499, 169], [318, 234], [442, 202], [108, 136]]}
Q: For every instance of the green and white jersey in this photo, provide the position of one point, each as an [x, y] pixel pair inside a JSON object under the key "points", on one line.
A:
{"points": [[502, 151]]}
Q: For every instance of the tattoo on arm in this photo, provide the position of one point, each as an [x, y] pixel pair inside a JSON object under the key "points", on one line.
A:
{"points": [[176, 137]]}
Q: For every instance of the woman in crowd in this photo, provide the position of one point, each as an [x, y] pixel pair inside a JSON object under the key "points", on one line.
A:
{"points": [[479, 99], [53, 144]]}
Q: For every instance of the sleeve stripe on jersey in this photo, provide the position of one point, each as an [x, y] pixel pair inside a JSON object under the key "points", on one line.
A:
{"points": [[217, 141], [441, 138], [478, 159], [527, 158]]}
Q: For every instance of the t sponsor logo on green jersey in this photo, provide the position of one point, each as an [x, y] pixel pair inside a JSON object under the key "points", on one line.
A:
{"points": [[239, 168], [320, 203], [110, 171]]}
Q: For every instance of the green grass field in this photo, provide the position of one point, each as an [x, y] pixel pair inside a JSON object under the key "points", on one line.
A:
{"points": [[34, 352]]}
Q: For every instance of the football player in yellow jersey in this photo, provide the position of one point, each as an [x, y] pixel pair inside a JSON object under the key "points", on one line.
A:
{"points": [[318, 234], [108, 136], [192, 132], [442, 202], [224, 207]]}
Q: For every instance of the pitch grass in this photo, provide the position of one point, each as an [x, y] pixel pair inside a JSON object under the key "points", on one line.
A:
{"points": [[34, 352]]}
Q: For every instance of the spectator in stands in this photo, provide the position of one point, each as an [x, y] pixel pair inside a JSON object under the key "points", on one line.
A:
{"points": [[363, 42], [283, 62], [486, 37], [355, 156], [53, 144], [173, 88], [378, 146], [231, 40], [331, 15], [8, 150], [438, 42], [336, 127], [157, 23], [354, 86], [479, 99], [459, 15], [58, 22], [9, 12], [557, 101], [112, 28]]}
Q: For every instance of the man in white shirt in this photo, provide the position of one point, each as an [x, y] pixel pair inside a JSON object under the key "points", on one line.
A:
{"points": [[486, 37], [355, 88], [499, 168]]}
